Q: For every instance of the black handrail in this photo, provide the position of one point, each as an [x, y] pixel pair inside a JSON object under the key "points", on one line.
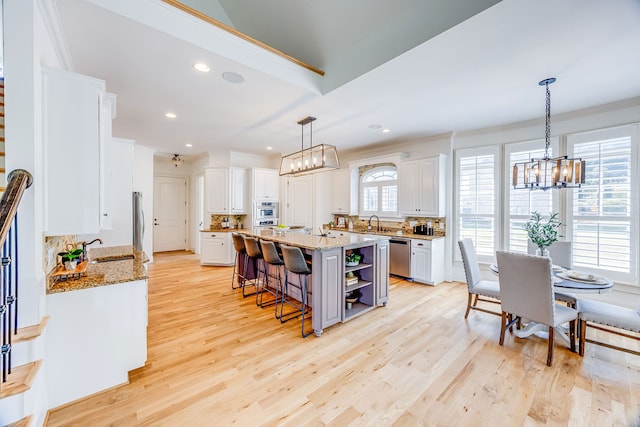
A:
{"points": [[19, 181]]}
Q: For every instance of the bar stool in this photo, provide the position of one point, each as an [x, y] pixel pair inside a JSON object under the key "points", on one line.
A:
{"points": [[237, 280], [255, 257], [294, 263], [273, 260]]}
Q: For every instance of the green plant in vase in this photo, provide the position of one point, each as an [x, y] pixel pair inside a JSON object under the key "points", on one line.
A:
{"points": [[352, 258], [70, 257], [543, 231]]}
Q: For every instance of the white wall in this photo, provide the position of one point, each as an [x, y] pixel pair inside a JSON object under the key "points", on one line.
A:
{"points": [[143, 169]]}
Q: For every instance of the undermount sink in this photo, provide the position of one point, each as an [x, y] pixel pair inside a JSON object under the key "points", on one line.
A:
{"points": [[112, 259]]}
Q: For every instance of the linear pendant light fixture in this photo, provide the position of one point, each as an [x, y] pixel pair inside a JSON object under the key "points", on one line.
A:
{"points": [[318, 158], [546, 173]]}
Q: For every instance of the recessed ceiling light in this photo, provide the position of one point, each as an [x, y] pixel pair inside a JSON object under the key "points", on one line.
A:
{"points": [[188, 145], [386, 130], [170, 115], [232, 77], [202, 67], [374, 126], [269, 148]]}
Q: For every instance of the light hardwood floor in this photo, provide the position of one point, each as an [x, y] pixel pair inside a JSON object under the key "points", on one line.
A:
{"points": [[215, 359]]}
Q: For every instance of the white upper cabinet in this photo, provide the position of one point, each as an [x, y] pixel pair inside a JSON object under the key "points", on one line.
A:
{"points": [[226, 190], [343, 193], [216, 184], [238, 191], [266, 183], [72, 120], [422, 187]]}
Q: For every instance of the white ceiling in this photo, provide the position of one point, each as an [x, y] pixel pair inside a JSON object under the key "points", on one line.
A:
{"points": [[482, 72]]}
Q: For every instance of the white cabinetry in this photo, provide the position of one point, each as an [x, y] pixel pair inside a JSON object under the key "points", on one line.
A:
{"points": [[343, 193], [266, 183], [72, 116], [225, 190], [422, 183], [238, 202], [91, 346], [427, 261], [216, 248]]}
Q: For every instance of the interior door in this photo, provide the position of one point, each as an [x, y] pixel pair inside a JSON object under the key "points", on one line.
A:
{"points": [[169, 213]]}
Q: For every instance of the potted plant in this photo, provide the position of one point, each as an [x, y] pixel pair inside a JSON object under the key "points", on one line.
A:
{"points": [[70, 257], [543, 231], [352, 259]]}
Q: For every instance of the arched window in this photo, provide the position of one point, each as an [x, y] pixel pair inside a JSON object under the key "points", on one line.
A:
{"points": [[379, 191]]}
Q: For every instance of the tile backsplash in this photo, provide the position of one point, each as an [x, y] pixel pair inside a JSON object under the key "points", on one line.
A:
{"points": [[406, 226], [58, 244]]}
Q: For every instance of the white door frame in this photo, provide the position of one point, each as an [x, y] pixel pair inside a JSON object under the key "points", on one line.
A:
{"points": [[187, 207]]}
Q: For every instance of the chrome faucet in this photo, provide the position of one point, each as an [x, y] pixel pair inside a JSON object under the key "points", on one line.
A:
{"points": [[378, 219]]}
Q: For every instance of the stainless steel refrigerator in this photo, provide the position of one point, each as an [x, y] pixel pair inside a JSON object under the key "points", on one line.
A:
{"points": [[138, 221]]}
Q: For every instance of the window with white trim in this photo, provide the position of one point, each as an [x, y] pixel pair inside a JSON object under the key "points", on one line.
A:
{"points": [[604, 211], [519, 204], [477, 199], [379, 192]]}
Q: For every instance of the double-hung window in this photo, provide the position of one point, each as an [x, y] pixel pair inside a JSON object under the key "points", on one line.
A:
{"points": [[477, 199], [604, 211], [379, 190]]}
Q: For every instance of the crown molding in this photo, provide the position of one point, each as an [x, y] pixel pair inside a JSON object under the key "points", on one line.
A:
{"points": [[51, 19]]}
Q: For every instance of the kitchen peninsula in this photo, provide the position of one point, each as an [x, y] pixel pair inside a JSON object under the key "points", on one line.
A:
{"points": [[328, 282]]}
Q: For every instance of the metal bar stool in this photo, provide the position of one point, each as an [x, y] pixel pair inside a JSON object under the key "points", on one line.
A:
{"points": [[237, 280], [294, 263], [255, 257], [272, 261]]}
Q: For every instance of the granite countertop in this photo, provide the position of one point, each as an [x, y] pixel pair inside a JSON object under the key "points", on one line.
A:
{"points": [[308, 241], [124, 264], [225, 230], [391, 234]]}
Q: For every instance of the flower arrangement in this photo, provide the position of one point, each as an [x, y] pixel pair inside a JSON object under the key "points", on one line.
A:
{"points": [[543, 232]]}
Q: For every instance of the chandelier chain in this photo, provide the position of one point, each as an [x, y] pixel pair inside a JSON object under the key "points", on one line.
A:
{"points": [[547, 130]]}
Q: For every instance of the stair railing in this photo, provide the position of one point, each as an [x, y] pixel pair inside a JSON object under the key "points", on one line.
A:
{"points": [[19, 180]]}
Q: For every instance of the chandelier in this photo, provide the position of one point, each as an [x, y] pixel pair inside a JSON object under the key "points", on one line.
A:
{"points": [[314, 159], [176, 160], [545, 173]]}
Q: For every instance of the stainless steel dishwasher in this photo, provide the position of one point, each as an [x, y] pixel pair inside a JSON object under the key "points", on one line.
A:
{"points": [[400, 257]]}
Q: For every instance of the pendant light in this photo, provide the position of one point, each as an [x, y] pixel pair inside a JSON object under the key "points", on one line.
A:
{"points": [[546, 173], [316, 158]]}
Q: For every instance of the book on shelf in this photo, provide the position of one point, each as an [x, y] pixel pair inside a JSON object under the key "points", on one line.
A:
{"points": [[351, 280]]}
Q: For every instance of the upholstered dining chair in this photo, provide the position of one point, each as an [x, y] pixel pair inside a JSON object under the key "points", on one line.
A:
{"points": [[526, 291], [476, 286], [592, 314], [561, 254]]}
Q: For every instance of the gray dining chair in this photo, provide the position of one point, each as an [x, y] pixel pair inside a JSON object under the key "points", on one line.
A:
{"points": [[596, 314], [526, 290], [476, 286], [561, 254]]}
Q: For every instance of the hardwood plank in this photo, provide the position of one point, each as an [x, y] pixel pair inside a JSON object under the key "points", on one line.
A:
{"points": [[215, 358]]}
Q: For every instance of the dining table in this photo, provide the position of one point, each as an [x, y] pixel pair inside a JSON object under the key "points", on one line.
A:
{"points": [[564, 280]]}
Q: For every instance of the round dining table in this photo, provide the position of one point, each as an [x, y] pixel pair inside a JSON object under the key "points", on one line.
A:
{"points": [[565, 283]]}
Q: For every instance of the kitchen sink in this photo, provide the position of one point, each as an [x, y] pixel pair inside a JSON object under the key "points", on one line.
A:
{"points": [[112, 259]]}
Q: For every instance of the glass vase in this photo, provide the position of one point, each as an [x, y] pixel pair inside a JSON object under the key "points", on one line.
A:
{"points": [[542, 251]]}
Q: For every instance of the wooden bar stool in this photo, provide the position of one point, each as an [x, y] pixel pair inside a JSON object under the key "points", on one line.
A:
{"points": [[240, 265], [294, 263], [272, 261], [255, 257]]}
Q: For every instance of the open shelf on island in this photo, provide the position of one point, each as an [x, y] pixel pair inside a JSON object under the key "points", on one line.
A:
{"points": [[360, 266], [360, 284], [357, 308]]}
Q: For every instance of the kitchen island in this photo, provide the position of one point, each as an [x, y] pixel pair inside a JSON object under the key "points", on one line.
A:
{"points": [[368, 286]]}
